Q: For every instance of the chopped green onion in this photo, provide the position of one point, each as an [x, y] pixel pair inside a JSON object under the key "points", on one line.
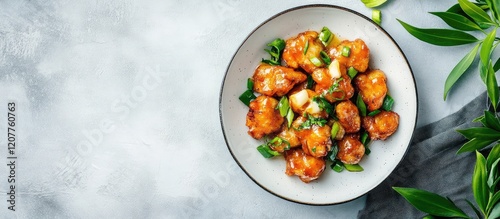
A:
{"points": [[367, 150], [310, 82], [277, 141], [377, 16], [323, 104], [250, 84], [313, 149], [352, 72], [283, 106], [388, 103], [247, 96], [270, 62], [332, 154], [374, 113], [306, 47], [365, 140], [277, 47], [337, 166], [326, 59], [335, 86], [353, 167], [289, 117], [316, 61], [361, 105], [266, 151], [335, 129], [346, 51], [325, 36], [312, 121]]}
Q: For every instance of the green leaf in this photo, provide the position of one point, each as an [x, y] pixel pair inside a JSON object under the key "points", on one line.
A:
{"points": [[483, 72], [475, 12], [480, 133], [492, 175], [479, 182], [493, 156], [495, 212], [494, 6], [478, 214], [496, 66], [474, 144], [492, 87], [430, 203], [289, 117], [487, 46], [373, 3], [440, 37], [459, 70], [457, 21], [491, 121]]}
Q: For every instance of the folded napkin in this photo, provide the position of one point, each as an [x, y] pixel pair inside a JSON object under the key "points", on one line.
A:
{"points": [[431, 164]]}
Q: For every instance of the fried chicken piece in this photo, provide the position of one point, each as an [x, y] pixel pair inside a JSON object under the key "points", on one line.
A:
{"points": [[306, 167], [343, 88], [373, 88], [358, 58], [289, 135], [382, 125], [273, 80], [294, 56], [315, 140], [263, 118], [351, 150], [348, 115]]}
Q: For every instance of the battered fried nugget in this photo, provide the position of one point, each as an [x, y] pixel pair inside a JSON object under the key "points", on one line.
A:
{"points": [[373, 88], [348, 115], [343, 89], [350, 149], [294, 56], [263, 118], [382, 125], [273, 80], [289, 135], [359, 54], [315, 140], [306, 167]]}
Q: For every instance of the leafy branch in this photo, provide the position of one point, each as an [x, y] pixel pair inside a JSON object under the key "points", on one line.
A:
{"points": [[482, 16]]}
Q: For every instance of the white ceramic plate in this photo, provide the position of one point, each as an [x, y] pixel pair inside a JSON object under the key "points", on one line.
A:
{"points": [[331, 187]]}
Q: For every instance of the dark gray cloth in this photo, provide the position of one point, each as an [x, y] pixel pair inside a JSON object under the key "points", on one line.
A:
{"points": [[431, 164]]}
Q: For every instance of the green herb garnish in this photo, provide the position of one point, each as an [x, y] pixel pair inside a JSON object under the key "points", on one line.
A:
{"points": [[277, 47]]}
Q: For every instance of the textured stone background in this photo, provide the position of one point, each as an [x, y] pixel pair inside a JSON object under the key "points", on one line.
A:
{"points": [[118, 105]]}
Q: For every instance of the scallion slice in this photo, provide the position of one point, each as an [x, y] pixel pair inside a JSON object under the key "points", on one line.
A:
{"points": [[283, 106], [377, 16], [289, 117], [361, 105], [316, 61], [365, 138], [310, 81], [352, 72], [325, 36], [337, 166], [250, 84], [346, 51], [353, 167], [266, 151], [335, 129], [326, 59], [306, 47], [388, 103], [374, 113], [247, 96]]}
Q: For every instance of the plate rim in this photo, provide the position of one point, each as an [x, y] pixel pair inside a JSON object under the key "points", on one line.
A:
{"points": [[265, 22]]}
